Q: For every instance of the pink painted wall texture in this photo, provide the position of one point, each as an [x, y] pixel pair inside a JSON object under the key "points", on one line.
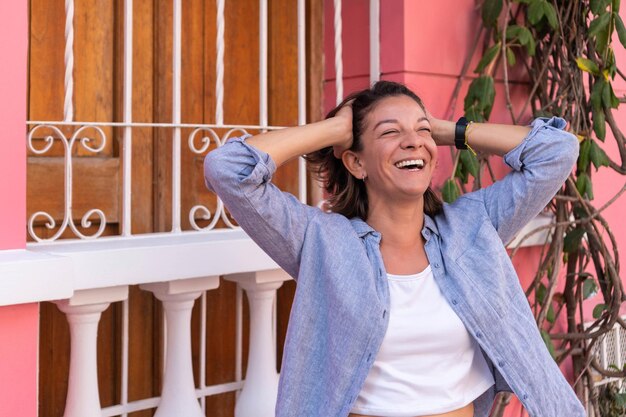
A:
{"points": [[425, 46], [18, 324]]}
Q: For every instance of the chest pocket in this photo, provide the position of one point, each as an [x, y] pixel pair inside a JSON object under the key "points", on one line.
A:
{"points": [[487, 268]]}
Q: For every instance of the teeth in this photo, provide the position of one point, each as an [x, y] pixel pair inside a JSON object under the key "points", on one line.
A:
{"points": [[419, 163]]}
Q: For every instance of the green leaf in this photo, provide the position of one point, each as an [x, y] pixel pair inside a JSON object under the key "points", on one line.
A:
{"points": [[621, 30], [491, 11], [523, 36], [590, 288], [583, 155], [598, 309], [489, 56], [588, 65], [584, 187], [598, 156], [551, 317], [616, 4], [599, 123], [461, 173], [473, 113], [606, 95], [573, 238], [548, 341], [450, 191], [596, 93], [598, 6], [540, 293], [481, 94], [470, 162], [510, 56], [599, 23], [614, 101], [530, 46], [535, 12], [550, 14], [602, 40]]}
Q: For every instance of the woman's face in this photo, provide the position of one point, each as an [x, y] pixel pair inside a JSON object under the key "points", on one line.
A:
{"points": [[399, 154]]}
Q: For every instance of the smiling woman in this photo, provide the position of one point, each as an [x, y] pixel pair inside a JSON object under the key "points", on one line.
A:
{"points": [[394, 314]]}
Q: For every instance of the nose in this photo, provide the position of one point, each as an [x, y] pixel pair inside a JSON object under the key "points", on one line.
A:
{"points": [[412, 140]]}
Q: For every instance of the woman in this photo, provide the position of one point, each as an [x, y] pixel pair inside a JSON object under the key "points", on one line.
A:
{"points": [[404, 306]]}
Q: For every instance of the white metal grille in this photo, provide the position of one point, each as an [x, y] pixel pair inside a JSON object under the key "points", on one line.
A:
{"points": [[610, 352]]}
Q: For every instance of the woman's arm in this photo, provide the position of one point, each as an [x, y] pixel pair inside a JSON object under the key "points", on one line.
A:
{"points": [[240, 173], [541, 158], [491, 138], [284, 144]]}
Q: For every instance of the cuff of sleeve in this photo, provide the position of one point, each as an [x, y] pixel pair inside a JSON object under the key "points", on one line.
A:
{"points": [[513, 158], [261, 168]]}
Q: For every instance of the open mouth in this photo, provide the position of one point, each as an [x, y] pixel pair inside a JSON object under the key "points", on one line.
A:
{"points": [[410, 164]]}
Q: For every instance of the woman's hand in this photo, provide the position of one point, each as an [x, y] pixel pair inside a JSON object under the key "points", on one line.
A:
{"points": [[344, 115], [442, 130]]}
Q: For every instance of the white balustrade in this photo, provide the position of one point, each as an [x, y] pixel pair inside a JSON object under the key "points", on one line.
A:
{"points": [[83, 313], [258, 397], [178, 397]]}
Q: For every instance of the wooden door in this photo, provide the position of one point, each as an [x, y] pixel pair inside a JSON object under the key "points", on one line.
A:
{"points": [[98, 75]]}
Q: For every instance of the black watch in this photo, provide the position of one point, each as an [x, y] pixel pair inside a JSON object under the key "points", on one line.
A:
{"points": [[459, 133]]}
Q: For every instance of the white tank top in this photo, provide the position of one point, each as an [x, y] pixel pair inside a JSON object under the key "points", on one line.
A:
{"points": [[428, 363]]}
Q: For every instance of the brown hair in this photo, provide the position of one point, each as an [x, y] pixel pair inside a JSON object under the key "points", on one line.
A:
{"points": [[347, 195]]}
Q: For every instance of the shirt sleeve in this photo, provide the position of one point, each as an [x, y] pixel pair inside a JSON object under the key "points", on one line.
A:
{"points": [[240, 175], [540, 165]]}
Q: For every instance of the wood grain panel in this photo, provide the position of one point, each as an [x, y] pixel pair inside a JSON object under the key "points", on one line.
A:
{"points": [[95, 185]]}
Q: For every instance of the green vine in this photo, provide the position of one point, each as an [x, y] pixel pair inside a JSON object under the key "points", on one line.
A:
{"points": [[566, 50]]}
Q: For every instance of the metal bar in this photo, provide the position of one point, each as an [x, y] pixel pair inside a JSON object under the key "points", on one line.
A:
{"points": [[338, 53], [176, 115], [219, 64], [125, 347], [263, 116], [127, 145], [374, 41], [68, 102], [143, 124], [302, 174]]}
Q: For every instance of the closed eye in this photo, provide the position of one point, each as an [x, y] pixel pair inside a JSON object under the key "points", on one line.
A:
{"points": [[389, 132]]}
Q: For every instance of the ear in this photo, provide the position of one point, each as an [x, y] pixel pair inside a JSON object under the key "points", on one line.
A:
{"points": [[353, 163]]}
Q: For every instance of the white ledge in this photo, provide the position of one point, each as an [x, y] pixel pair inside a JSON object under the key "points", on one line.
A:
{"points": [[52, 271], [27, 276]]}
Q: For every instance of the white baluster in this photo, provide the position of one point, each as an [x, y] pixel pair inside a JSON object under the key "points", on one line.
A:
{"points": [[258, 396], [83, 313], [178, 397]]}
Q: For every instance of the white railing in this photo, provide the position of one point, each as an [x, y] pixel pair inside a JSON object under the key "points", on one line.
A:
{"points": [[85, 274]]}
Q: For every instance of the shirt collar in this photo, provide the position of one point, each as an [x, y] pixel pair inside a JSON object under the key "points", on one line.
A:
{"points": [[362, 228]]}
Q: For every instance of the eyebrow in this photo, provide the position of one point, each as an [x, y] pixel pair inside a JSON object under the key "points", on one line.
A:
{"points": [[421, 119]]}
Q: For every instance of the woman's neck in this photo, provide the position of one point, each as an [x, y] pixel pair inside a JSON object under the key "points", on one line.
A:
{"points": [[399, 224]]}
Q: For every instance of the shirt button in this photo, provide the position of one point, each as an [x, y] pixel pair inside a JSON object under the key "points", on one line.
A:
{"points": [[384, 313], [479, 335], [436, 264], [500, 363], [525, 397], [455, 302]]}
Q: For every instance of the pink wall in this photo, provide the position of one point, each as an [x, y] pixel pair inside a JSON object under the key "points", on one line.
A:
{"points": [[425, 46], [18, 324]]}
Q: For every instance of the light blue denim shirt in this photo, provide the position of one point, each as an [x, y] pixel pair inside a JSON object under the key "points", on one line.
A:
{"points": [[340, 311]]}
